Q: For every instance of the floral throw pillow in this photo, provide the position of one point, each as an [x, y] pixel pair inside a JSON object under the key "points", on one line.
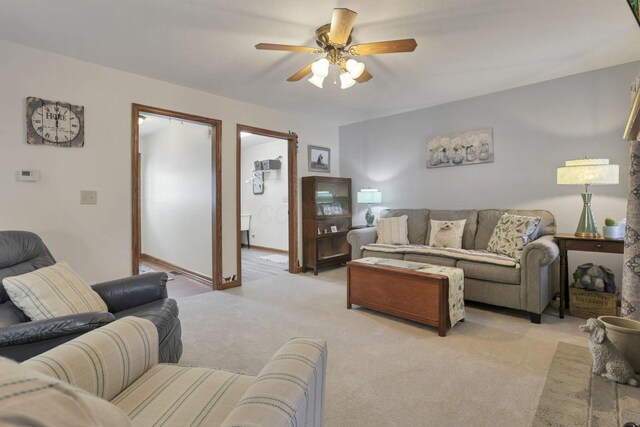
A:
{"points": [[511, 234]]}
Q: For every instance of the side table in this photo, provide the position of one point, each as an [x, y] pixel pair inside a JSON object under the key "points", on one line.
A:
{"points": [[570, 242]]}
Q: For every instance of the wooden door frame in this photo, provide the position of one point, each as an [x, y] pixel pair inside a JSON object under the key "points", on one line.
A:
{"points": [[292, 161], [216, 186]]}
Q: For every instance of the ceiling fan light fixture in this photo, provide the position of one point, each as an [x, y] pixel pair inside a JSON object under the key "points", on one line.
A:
{"points": [[320, 67], [316, 80], [346, 81], [354, 68]]}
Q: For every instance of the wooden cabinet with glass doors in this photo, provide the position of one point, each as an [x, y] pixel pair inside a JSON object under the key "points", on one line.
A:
{"points": [[326, 220]]}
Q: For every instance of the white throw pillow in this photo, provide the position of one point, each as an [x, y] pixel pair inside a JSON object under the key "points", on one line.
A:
{"points": [[511, 234], [447, 234], [393, 231], [52, 292]]}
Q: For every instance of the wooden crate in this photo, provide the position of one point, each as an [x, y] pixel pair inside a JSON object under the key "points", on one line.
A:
{"points": [[587, 304]]}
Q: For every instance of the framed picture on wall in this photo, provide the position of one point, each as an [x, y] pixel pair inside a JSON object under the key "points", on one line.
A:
{"points": [[319, 159], [258, 182]]}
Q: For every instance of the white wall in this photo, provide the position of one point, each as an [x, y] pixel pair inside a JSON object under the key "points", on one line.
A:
{"points": [[269, 211], [176, 195], [96, 240], [535, 128]]}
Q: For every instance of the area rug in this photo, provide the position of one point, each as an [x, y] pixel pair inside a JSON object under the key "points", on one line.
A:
{"points": [[574, 396], [382, 371], [280, 259]]}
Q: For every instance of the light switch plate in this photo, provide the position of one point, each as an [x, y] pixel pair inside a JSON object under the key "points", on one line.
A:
{"points": [[88, 197]]}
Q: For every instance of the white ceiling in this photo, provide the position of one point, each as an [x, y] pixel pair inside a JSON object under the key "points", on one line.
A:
{"points": [[465, 47]]}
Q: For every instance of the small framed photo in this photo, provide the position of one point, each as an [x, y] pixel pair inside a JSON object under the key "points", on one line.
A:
{"points": [[334, 229], [319, 159]]}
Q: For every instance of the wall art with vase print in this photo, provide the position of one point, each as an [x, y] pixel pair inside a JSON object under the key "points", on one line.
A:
{"points": [[462, 148]]}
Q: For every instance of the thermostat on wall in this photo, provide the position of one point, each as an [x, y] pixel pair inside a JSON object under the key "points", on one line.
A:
{"points": [[28, 175]]}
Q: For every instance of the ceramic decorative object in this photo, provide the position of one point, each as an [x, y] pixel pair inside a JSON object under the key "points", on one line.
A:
{"points": [[613, 232], [625, 335]]}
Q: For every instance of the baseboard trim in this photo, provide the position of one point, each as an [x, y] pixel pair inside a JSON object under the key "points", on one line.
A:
{"points": [[229, 285], [190, 274], [268, 249]]}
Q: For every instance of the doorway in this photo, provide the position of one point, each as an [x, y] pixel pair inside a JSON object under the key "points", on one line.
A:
{"points": [[266, 203], [176, 193]]}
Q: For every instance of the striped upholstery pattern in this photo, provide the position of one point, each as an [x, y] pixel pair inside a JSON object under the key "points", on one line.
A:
{"points": [[118, 362], [173, 395], [105, 361], [29, 398], [393, 231], [289, 391], [52, 292]]}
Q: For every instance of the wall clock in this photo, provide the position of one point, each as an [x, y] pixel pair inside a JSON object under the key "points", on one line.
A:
{"points": [[54, 122], [258, 182]]}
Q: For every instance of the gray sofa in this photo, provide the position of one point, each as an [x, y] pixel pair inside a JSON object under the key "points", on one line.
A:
{"points": [[529, 287]]}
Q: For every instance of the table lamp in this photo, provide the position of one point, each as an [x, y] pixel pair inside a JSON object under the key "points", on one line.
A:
{"points": [[587, 172], [369, 195]]}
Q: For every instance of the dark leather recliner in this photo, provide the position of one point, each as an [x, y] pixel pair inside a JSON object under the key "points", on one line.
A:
{"points": [[142, 296]]}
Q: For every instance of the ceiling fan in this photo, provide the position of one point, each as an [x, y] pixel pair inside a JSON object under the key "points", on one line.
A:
{"points": [[334, 40]]}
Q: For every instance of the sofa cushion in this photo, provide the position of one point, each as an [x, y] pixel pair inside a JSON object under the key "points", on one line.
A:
{"points": [[31, 398], [446, 234], [417, 222], [21, 252], [393, 231], [488, 219], [51, 292], [490, 272], [512, 233], [470, 226], [11, 315], [182, 396]]}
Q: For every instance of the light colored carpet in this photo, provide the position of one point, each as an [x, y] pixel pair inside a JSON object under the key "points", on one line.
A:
{"points": [[574, 397], [382, 371]]}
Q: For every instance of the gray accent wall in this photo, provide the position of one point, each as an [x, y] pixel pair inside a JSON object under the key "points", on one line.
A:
{"points": [[536, 128]]}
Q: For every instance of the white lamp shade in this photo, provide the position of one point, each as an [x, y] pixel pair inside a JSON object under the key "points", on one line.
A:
{"points": [[369, 196], [316, 80], [588, 172], [346, 81], [320, 67], [355, 68]]}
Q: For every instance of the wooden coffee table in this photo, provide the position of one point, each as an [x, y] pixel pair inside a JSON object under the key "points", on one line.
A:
{"points": [[398, 287]]}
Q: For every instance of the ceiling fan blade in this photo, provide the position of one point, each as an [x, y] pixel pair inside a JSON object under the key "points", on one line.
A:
{"points": [[341, 25], [389, 46], [364, 77], [300, 74], [286, 47]]}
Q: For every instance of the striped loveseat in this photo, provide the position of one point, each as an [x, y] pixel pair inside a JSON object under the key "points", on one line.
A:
{"points": [[117, 365]]}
